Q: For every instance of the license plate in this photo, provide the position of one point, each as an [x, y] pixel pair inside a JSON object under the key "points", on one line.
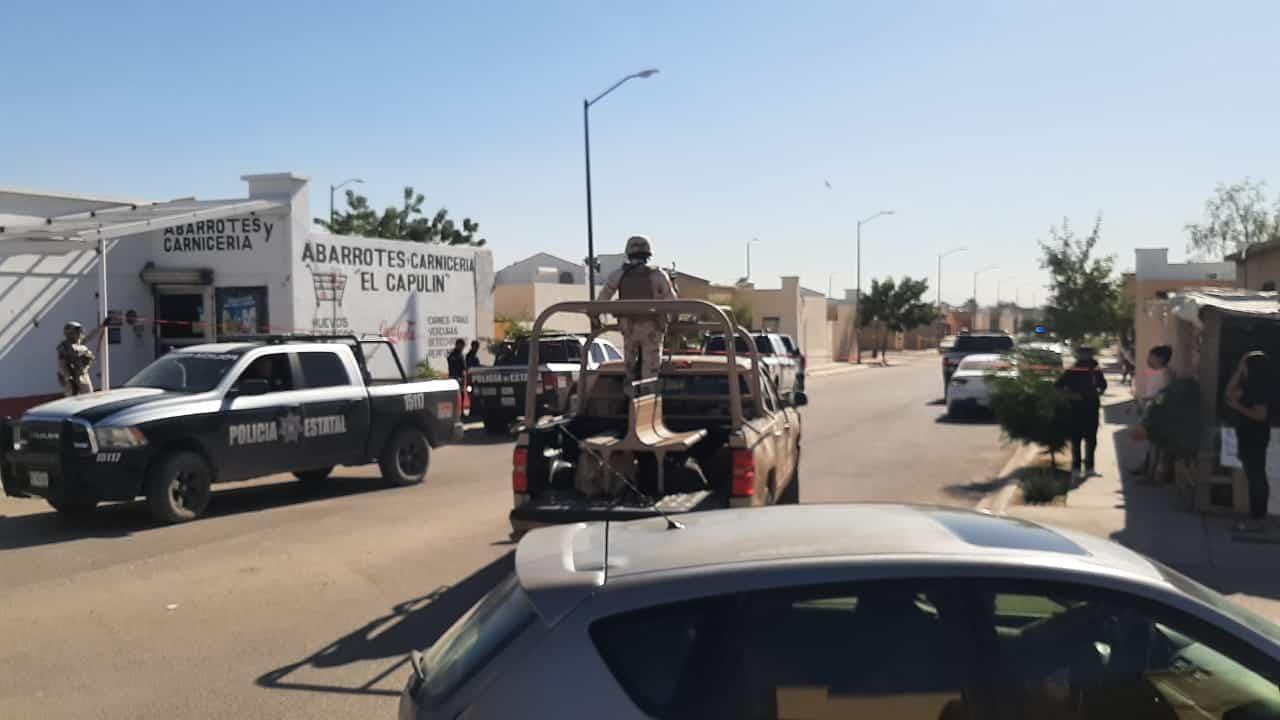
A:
{"points": [[508, 402], [38, 479]]}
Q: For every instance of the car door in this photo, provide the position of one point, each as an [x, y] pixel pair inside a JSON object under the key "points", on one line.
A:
{"points": [[260, 432], [335, 410], [777, 433]]}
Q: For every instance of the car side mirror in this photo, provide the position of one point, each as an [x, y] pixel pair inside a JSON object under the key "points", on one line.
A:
{"points": [[799, 399], [252, 386]]}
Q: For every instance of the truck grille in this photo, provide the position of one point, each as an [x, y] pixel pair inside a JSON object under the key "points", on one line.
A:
{"points": [[42, 436]]}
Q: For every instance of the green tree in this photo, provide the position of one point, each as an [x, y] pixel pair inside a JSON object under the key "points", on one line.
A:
{"points": [[1029, 408], [406, 222], [896, 307], [1236, 217], [1084, 296]]}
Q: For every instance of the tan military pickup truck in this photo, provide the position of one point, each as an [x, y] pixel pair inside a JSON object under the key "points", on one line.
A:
{"points": [[709, 432]]}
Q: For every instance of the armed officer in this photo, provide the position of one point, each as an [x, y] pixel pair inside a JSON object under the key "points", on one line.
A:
{"points": [[642, 335], [74, 358]]}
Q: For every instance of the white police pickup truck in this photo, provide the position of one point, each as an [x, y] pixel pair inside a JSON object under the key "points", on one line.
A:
{"points": [[232, 411]]}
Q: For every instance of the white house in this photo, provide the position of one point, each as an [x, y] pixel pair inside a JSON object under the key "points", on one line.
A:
{"points": [[190, 271]]}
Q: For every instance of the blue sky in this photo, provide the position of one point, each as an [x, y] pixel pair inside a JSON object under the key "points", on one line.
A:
{"points": [[980, 123]]}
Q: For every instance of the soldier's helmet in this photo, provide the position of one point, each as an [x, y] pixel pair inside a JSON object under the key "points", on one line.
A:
{"points": [[638, 247], [72, 327]]}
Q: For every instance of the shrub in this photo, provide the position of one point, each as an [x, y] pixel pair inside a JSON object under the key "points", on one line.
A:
{"points": [[1173, 421], [424, 371], [1030, 409]]}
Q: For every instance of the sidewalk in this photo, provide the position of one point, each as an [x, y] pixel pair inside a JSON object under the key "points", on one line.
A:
{"points": [[1151, 519]]}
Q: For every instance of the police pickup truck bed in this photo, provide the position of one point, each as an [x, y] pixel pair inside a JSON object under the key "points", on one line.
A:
{"points": [[232, 411], [497, 393]]}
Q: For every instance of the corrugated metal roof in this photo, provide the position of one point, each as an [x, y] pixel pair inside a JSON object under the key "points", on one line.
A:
{"points": [[1233, 301], [67, 233]]}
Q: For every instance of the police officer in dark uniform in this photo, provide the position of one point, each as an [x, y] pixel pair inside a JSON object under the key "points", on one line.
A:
{"points": [[1084, 385]]}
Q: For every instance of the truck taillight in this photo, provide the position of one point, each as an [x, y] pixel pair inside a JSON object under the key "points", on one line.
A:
{"points": [[744, 473], [520, 470], [548, 381]]}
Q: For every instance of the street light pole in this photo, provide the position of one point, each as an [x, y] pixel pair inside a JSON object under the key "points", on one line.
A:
{"points": [[976, 273], [940, 256], [749, 242], [586, 151], [857, 300], [334, 188]]}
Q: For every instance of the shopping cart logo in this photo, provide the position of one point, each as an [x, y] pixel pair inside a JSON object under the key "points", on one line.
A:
{"points": [[329, 286]]}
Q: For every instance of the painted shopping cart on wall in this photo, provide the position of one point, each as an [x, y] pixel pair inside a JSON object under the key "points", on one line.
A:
{"points": [[329, 286]]}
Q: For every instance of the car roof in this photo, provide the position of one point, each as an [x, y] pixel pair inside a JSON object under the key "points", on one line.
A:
{"points": [[551, 561], [227, 347], [976, 358]]}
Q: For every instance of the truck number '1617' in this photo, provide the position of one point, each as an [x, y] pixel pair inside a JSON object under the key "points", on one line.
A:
{"points": [[416, 401]]}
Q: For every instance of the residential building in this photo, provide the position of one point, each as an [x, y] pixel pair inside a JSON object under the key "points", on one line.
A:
{"points": [[1258, 267]]}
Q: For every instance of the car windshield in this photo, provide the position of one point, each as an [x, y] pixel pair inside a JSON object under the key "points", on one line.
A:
{"points": [[549, 351], [764, 346], [983, 343], [186, 372], [715, 344]]}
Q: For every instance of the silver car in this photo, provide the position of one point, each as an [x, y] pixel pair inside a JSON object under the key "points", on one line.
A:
{"points": [[859, 611]]}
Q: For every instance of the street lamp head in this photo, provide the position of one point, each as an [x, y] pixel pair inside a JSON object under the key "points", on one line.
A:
{"points": [[647, 73]]}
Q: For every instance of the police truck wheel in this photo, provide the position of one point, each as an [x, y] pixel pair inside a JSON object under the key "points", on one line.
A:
{"points": [[74, 508], [405, 459], [179, 487], [314, 477]]}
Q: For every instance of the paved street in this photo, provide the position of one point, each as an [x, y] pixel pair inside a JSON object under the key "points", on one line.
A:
{"points": [[294, 603]]}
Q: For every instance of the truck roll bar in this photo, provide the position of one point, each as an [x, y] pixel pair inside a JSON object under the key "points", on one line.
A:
{"points": [[720, 321]]}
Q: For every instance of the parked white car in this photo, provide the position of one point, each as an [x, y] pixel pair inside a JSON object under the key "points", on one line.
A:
{"points": [[968, 389]]}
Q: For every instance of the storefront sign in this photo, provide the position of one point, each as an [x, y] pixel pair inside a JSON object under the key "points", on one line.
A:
{"points": [[223, 235]]}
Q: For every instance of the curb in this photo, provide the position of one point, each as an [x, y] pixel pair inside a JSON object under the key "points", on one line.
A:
{"points": [[997, 501], [837, 369]]}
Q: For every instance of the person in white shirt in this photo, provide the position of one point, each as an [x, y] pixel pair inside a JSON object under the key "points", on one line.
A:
{"points": [[1153, 382]]}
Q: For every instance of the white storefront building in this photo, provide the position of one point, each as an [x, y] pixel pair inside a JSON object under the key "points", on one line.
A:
{"points": [[190, 271]]}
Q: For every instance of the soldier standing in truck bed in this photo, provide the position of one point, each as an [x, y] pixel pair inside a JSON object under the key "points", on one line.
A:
{"points": [[642, 336]]}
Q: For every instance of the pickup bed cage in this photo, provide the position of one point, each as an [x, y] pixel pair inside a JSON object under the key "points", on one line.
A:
{"points": [[346, 339], [678, 313]]}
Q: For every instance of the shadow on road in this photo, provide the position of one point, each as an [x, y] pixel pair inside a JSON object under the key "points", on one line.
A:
{"points": [[977, 418], [123, 519], [976, 490], [483, 437], [410, 625], [936, 402]]}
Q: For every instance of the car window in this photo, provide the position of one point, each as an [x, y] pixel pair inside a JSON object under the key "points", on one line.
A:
{"points": [[275, 369], [475, 638], [597, 355], [764, 345], [788, 343], [380, 363], [323, 369], [893, 650], [188, 372], [770, 397], [983, 343], [612, 352], [988, 364], [1076, 653], [716, 344]]}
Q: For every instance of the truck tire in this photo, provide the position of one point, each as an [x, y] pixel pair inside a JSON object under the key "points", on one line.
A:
{"points": [[74, 509], [314, 476], [791, 496], [406, 457], [179, 487], [495, 424]]}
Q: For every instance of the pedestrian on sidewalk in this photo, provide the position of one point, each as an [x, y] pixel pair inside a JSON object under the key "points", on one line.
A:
{"points": [[457, 364], [1250, 393], [1084, 384]]}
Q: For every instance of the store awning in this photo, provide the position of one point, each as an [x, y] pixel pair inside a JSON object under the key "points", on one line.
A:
{"points": [[1231, 301], [79, 231]]}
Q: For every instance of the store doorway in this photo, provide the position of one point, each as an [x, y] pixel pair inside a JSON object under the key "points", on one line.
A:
{"points": [[182, 316]]}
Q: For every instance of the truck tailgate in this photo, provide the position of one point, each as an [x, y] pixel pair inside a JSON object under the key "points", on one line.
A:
{"points": [[568, 508]]}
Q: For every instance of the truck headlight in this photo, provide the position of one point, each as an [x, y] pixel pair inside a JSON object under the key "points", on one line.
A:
{"points": [[18, 441], [119, 438]]}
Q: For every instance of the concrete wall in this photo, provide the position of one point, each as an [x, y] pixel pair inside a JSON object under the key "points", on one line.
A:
{"points": [[814, 330], [1260, 269], [540, 268]]}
